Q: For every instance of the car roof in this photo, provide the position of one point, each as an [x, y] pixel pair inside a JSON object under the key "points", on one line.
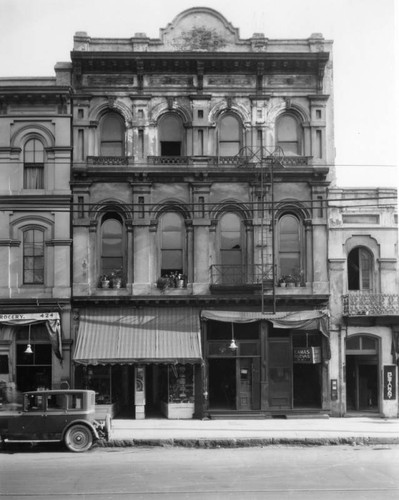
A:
{"points": [[58, 391]]}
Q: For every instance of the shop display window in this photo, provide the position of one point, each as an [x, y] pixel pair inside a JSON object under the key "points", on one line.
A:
{"points": [[180, 387]]}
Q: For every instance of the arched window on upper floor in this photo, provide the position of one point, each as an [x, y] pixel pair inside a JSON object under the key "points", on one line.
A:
{"points": [[33, 257], [231, 268], [33, 164], [290, 251], [112, 135], [360, 269], [172, 244], [112, 246], [171, 135], [230, 135], [289, 135]]}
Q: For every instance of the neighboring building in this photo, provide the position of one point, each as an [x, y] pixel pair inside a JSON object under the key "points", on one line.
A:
{"points": [[200, 226], [364, 326], [35, 237]]}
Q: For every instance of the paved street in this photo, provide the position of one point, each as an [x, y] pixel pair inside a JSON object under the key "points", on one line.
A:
{"points": [[326, 472]]}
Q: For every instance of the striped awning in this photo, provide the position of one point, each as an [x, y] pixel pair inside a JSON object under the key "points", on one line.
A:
{"points": [[148, 335]]}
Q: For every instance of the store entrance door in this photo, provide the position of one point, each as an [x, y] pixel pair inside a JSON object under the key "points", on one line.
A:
{"points": [[280, 373], [361, 383]]}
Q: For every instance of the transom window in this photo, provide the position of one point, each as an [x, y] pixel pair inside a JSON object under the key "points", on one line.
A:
{"points": [[111, 244], [33, 165], [171, 135], [229, 136], [172, 241], [288, 135], [33, 257], [289, 245], [359, 269], [112, 135]]}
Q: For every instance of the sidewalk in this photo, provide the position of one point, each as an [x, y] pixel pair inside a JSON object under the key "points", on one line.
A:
{"points": [[240, 433]]}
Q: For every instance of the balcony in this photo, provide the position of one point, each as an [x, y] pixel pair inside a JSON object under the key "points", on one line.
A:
{"points": [[370, 304], [108, 160], [233, 277]]}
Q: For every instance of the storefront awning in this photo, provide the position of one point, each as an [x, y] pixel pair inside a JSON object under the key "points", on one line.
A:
{"points": [[148, 335], [301, 320]]}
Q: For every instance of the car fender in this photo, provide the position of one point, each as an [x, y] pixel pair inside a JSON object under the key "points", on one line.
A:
{"points": [[81, 422]]}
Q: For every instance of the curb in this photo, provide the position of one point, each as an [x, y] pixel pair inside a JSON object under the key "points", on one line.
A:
{"points": [[246, 443]]}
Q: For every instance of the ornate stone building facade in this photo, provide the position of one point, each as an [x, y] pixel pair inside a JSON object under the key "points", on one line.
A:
{"points": [[199, 218]]}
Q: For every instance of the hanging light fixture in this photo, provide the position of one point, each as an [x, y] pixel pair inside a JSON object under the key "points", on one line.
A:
{"points": [[233, 345], [28, 349]]}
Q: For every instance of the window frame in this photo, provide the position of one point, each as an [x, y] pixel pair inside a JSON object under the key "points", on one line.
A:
{"points": [[175, 133], [112, 141], [34, 257], [221, 141], [301, 249], [107, 216], [365, 252], [299, 135], [183, 249], [34, 166]]}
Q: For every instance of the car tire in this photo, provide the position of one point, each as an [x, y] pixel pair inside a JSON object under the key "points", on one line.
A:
{"points": [[78, 438]]}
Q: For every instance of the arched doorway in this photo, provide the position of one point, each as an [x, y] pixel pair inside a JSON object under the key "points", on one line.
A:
{"points": [[362, 387]]}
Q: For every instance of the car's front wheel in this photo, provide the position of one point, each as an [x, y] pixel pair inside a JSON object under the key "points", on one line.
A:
{"points": [[78, 438]]}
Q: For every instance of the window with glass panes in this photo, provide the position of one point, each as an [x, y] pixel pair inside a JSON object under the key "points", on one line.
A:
{"points": [[359, 269], [111, 244], [33, 257], [229, 136], [289, 245], [33, 165], [170, 132], [112, 135], [288, 135], [172, 243]]}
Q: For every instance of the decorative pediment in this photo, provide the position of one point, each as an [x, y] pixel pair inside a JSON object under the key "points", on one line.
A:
{"points": [[199, 29]]}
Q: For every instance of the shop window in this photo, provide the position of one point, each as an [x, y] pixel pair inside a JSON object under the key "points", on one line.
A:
{"points": [[359, 269], [172, 244], [229, 136], [288, 135], [112, 245], [289, 245], [171, 135], [33, 370], [33, 257], [112, 135], [33, 165]]}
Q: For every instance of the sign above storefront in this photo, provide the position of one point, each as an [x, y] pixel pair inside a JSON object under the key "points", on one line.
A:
{"points": [[309, 355], [389, 382], [29, 316]]}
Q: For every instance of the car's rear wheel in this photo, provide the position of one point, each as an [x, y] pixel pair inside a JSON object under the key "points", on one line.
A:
{"points": [[78, 438]]}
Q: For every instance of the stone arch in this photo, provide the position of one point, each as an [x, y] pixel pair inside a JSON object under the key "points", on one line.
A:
{"points": [[171, 205], [99, 111], [109, 205], [32, 131], [161, 109], [220, 109], [294, 207], [365, 241], [231, 205]]}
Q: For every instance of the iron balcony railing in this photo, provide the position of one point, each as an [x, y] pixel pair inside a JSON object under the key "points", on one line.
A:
{"points": [[223, 161], [108, 160], [370, 304], [241, 275]]}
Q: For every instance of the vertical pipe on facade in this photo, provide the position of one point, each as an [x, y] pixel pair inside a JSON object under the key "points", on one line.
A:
{"points": [[71, 215]]}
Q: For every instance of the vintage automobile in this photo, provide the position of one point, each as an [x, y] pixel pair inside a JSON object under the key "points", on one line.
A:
{"points": [[54, 416]]}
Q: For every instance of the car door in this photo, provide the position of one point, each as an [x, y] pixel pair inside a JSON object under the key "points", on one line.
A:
{"points": [[27, 426]]}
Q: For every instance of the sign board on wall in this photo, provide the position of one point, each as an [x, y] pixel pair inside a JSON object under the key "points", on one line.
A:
{"points": [[309, 355], [390, 382]]}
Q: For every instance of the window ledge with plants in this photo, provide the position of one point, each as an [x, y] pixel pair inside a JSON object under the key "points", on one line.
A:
{"points": [[171, 281], [114, 279]]}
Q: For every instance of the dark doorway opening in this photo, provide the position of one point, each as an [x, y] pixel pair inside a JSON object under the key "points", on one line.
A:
{"points": [[307, 385], [222, 384], [361, 383], [170, 148]]}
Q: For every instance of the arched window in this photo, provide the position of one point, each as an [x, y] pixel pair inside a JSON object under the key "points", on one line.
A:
{"points": [[289, 245], [359, 269], [112, 135], [112, 244], [172, 243], [230, 240], [33, 165], [171, 135], [288, 135], [229, 136], [33, 257]]}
